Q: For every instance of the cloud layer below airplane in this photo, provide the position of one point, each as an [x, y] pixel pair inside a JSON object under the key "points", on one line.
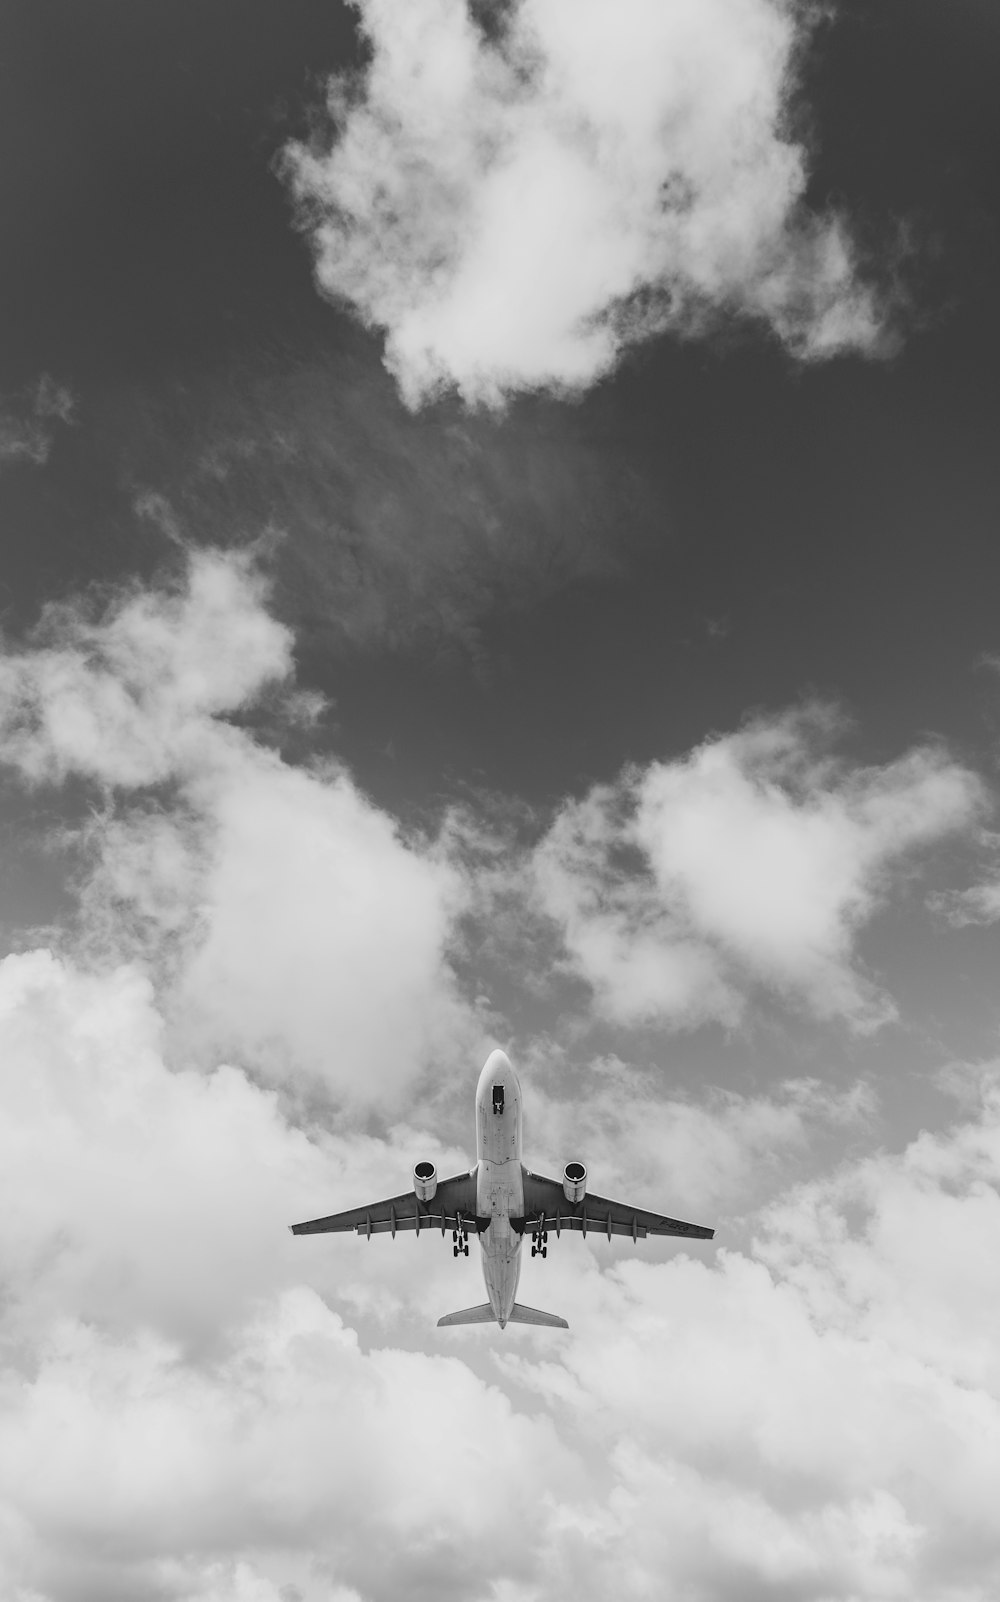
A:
{"points": [[819, 1410]]}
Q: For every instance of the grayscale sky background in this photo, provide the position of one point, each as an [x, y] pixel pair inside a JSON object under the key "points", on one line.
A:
{"points": [[499, 508]]}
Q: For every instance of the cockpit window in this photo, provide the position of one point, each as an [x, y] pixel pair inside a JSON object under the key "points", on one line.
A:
{"points": [[498, 1098]]}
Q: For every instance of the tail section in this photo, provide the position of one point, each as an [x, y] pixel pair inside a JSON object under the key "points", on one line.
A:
{"points": [[531, 1315], [469, 1315], [486, 1315]]}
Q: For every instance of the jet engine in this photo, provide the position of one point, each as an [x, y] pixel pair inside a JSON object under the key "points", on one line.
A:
{"points": [[425, 1181], [574, 1182]]}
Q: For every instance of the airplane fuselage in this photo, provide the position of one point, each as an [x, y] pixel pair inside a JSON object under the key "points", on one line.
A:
{"points": [[499, 1180], [501, 1200]]}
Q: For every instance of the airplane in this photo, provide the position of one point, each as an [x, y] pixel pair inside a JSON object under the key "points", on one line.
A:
{"points": [[501, 1201]]}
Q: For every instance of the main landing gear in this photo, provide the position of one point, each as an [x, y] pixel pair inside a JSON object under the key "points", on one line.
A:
{"points": [[461, 1242], [540, 1243]]}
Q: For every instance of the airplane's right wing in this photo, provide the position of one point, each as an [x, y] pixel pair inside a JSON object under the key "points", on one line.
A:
{"points": [[546, 1207], [453, 1207]]}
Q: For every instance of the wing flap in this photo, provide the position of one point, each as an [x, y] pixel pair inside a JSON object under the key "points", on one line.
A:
{"points": [[545, 1206], [428, 1220], [453, 1206], [589, 1224]]}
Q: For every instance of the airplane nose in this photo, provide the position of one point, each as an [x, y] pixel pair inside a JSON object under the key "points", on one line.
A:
{"points": [[497, 1070]]}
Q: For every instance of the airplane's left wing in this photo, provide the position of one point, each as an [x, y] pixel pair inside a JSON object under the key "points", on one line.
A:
{"points": [[546, 1207], [453, 1207]]}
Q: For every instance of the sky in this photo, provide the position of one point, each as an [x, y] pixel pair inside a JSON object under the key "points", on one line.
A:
{"points": [[499, 501]]}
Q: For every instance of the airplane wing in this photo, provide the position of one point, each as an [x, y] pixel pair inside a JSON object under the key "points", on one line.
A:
{"points": [[545, 1204], [453, 1207]]}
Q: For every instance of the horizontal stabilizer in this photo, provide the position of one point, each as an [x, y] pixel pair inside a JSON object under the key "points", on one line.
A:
{"points": [[469, 1315], [531, 1315]]}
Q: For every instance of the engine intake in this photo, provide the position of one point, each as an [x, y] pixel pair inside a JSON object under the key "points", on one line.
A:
{"points": [[425, 1181], [574, 1182]]}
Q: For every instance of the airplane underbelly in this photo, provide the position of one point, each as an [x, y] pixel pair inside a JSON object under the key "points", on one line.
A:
{"points": [[499, 1180], [501, 1271], [500, 1196]]}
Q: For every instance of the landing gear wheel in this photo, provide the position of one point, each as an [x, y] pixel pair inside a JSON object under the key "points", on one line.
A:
{"points": [[466, 1248], [545, 1251], [454, 1251], [534, 1250]]}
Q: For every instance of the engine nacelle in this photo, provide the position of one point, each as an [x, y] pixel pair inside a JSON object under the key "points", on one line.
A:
{"points": [[425, 1181], [574, 1182]]}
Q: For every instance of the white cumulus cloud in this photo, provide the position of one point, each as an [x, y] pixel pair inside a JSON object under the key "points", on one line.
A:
{"points": [[756, 860], [820, 1418], [134, 697], [176, 1399], [301, 929], [515, 206], [188, 1415]]}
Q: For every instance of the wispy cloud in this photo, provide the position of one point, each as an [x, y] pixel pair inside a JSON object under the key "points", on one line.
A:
{"points": [[28, 421], [723, 1149], [515, 206], [401, 532], [979, 903]]}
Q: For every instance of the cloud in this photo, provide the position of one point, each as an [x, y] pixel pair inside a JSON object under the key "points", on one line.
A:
{"points": [[402, 532], [295, 1440], [913, 1271], [689, 1156], [755, 861], [142, 1192], [196, 1408], [297, 928], [27, 422], [188, 1415], [980, 903], [821, 1417], [135, 696], [176, 1401], [134, 1196], [516, 205]]}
